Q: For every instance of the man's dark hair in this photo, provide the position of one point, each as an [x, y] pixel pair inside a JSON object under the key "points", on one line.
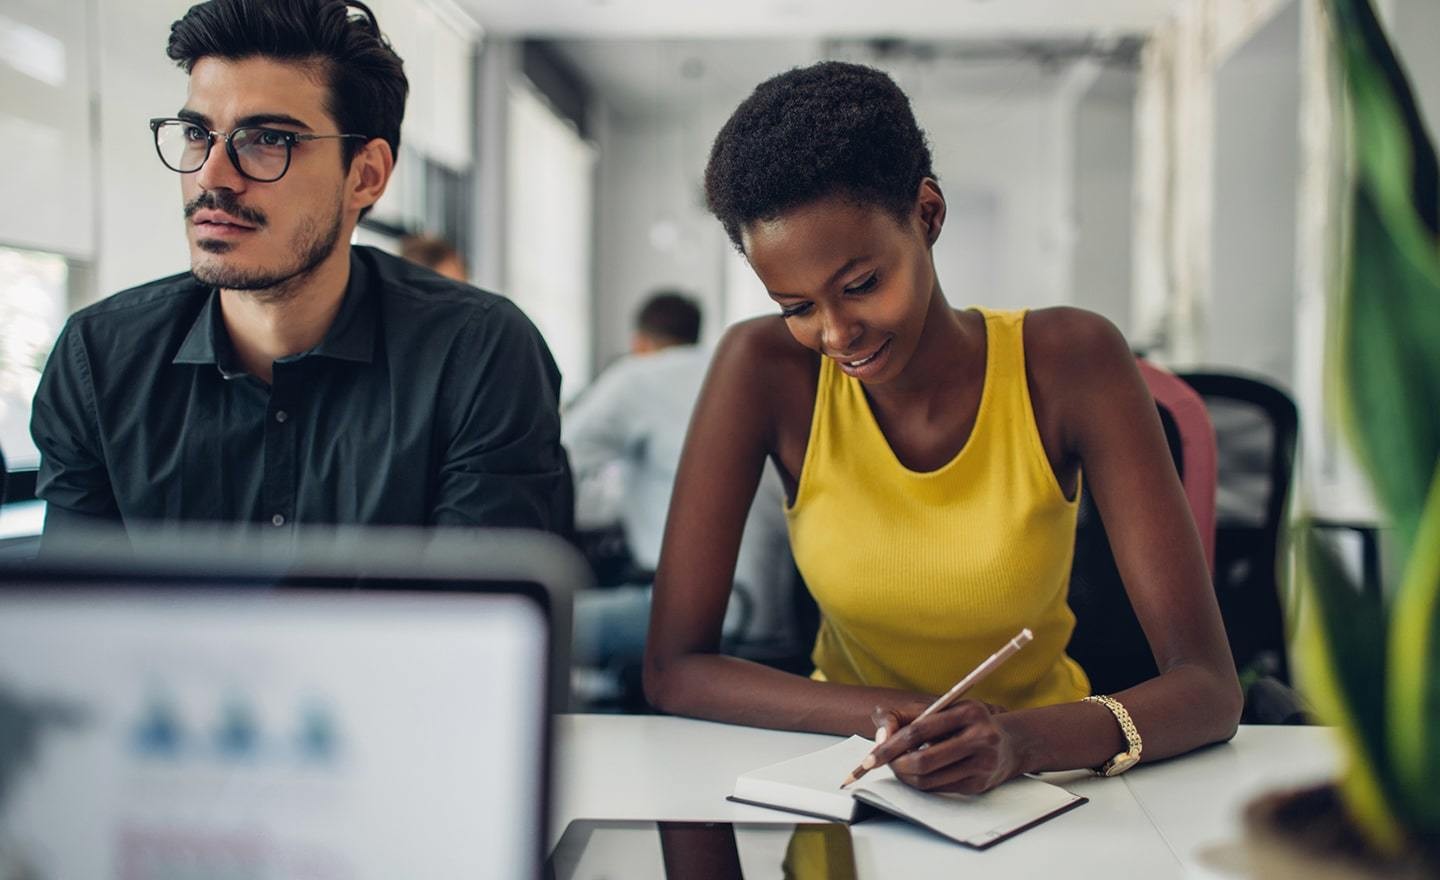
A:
{"points": [[832, 128], [671, 316], [366, 79]]}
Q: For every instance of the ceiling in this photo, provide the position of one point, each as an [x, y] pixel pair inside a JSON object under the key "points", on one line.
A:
{"points": [[669, 78], [772, 19], [640, 78]]}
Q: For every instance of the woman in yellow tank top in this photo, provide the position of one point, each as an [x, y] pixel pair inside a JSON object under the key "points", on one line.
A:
{"points": [[932, 458]]}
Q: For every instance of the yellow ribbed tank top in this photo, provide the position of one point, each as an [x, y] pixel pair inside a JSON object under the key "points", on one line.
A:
{"points": [[920, 576]]}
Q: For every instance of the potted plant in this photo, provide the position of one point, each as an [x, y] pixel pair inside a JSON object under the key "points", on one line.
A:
{"points": [[1369, 659]]}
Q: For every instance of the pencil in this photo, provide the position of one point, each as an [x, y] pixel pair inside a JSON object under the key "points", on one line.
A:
{"points": [[976, 675]]}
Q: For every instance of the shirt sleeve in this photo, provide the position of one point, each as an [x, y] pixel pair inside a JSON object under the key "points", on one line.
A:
{"points": [[73, 474], [503, 465], [599, 432], [597, 425]]}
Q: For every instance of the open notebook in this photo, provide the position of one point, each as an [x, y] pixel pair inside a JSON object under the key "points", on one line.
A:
{"points": [[810, 784]]}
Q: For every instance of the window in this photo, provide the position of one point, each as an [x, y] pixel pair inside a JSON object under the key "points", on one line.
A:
{"points": [[32, 309], [549, 198]]}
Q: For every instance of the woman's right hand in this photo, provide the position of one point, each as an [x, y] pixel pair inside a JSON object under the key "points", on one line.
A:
{"points": [[964, 748]]}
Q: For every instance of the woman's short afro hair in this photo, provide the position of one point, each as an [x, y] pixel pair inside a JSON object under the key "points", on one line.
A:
{"points": [[812, 132]]}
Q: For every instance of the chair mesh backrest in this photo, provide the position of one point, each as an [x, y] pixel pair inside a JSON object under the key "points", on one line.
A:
{"points": [[1256, 430], [1245, 439]]}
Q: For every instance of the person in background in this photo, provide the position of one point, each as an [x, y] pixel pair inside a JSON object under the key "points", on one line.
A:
{"points": [[624, 434], [932, 461], [289, 378], [435, 254]]}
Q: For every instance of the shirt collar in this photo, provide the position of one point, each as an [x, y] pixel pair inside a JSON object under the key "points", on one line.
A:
{"points": [[351, 336], [207, 342]]}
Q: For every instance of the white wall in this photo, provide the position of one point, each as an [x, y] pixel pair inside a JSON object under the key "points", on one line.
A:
{"points": [[140, 230], [1104, 193], [45, 127], [652, 228], [1256, 178], [1415, 30], [1002, 161]]}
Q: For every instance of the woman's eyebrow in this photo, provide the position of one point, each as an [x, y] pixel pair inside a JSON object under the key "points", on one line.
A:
{"points": [[834, 276]]}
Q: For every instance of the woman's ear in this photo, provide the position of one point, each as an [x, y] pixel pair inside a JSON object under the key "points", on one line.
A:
{"points": [[930, 209]]}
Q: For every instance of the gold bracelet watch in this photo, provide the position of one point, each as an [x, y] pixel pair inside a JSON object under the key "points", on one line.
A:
{"points": [[1126, 759]]}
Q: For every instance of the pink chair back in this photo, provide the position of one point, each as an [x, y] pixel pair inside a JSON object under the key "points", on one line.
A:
{"points": [[1197, 445]]}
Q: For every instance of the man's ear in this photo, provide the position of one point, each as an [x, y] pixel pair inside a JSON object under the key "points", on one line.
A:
{"points": [[370, 172], [930, 209]]}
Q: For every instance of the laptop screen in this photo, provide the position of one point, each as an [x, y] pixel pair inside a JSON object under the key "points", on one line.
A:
{"points": [[214, 731]]}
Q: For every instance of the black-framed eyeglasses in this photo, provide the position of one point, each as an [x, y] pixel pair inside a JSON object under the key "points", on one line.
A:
{"points": [[260, 153]]}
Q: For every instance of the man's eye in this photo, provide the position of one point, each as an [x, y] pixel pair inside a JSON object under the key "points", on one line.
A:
{"points": [[195, 134], [271, 139]]}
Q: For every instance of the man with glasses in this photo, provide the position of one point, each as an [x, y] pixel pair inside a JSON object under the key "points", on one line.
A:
{"points": [[289, 378]]}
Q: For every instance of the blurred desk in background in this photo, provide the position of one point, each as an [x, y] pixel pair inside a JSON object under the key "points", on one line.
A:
{"points": [[21, 520]]}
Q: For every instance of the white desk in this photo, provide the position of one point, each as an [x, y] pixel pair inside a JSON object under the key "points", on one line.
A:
{"points": [[1176, 818], [22, 520]]}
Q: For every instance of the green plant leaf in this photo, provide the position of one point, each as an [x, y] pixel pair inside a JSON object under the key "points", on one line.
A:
{"points": [[1391, 368], [1388, 357], [1372, 67], [1340, 643], [1414, 674], [1391, 313]]}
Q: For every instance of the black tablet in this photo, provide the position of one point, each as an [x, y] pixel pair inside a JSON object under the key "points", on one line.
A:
{"points": [[642, 850]]}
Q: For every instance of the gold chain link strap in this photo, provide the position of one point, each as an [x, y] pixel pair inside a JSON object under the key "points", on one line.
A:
{"points": [[1127, 726]]}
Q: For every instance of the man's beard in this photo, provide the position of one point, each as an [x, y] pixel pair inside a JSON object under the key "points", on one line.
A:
{"points": [[313, 243]]}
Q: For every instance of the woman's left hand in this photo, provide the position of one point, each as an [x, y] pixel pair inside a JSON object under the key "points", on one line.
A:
{"points": [[963, 749]]}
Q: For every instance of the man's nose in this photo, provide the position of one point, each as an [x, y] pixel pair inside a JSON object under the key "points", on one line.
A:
{"points": [[219, 172]]}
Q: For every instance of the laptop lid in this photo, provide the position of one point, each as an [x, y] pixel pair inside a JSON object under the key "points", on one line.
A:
{"points": [[357, 705]]}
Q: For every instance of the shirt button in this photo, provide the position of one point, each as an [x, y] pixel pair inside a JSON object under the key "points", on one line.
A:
{"points": [[278, 519], [281, 416]]}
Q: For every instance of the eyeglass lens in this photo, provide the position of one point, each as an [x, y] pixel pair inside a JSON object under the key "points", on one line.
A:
{"points": [[263, 153]]}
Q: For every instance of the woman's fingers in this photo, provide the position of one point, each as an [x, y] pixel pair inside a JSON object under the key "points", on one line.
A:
{"points": [[970, 752], [966, 777], [939, 726], [886, 722]]}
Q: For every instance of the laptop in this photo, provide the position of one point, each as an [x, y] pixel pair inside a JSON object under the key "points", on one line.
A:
{"points": [[357, 705]]}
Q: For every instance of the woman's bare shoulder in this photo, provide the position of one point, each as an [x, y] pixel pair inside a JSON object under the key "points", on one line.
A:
{"points": [[761, 350], [1065, 346]]}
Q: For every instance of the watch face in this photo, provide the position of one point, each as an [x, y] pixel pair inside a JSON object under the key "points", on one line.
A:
{"points": [[1120, 763]]}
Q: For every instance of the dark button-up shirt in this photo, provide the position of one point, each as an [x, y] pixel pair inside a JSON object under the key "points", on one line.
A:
{"points": [[427, 403]]}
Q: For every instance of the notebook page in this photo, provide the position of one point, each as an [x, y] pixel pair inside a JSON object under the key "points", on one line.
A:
{"points": [[809, 783], [977, 820]]}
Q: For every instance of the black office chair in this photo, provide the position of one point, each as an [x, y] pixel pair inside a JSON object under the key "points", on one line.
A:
{"points": [[1256, 431], [1108, 642], [608, 554]]}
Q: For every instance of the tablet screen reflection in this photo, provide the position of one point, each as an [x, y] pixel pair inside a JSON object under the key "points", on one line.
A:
{"points": [[590, 850]]}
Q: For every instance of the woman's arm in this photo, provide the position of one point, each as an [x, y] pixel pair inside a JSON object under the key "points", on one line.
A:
{"points": [[1086, 381], [1111, 423], [731, 433]]}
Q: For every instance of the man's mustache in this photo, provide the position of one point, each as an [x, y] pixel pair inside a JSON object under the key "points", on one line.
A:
{"points": [[227, 201]]}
